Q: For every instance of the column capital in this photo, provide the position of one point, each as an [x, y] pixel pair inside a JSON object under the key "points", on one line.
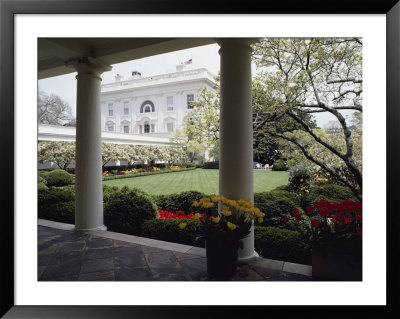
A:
{"points": [[222, 42], [88, 65]]}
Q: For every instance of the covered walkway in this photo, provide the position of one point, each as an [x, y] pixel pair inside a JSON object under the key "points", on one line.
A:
{"points": [[67, 255]]}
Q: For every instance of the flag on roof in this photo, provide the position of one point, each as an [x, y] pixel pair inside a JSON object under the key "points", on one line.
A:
{"points": [[188, 61]]}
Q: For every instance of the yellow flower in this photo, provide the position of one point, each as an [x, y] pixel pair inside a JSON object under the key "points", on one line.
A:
{"points": [[216, 219], [231, 226], [301, 180], [182, 225], [208, 205], [226, 212], [214, 199], [196, 216], [196, 204], [260, 220]]}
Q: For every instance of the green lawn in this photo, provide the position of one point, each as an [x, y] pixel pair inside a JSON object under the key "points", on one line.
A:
{"points": [[202, 180]]}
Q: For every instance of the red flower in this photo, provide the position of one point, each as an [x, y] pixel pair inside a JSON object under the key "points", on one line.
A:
{"points": [[295, 210], [315, 222], [324, 211], [309, 210], [286, 220], [297, 216]]}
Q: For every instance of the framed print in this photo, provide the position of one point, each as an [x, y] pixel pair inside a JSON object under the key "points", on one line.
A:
{"points": [[144, 300]]}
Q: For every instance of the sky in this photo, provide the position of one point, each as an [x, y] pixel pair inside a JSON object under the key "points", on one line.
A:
{"points": [[202, 57]]}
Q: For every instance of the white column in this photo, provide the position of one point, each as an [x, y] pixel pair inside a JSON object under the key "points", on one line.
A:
{"points": [[236, 128], [88, 180]]}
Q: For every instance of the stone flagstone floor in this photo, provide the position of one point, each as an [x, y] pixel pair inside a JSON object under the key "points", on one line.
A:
{"points": [[65, 255]]}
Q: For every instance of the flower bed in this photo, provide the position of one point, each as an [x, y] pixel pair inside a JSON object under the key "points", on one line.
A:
{"points": [[143, 172]]}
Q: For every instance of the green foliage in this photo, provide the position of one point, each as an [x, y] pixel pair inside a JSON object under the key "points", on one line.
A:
{"points": [[281, 244], [42, 180], [181, 202], [42, 186], [211, 165], [58, 178], [300, 177], [279, 165], [56, 203], [333, 193], [168, 230], [44, 175], [126, 209], [275, 204]]}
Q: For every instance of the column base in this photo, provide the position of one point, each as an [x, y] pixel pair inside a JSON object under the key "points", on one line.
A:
{"points": [[252, 257], [100, 228]]}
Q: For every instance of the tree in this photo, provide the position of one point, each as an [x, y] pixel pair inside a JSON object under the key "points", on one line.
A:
{"points": [[306, 76], [61, 153], [201, 124], [189, 149], [112, 152], [53, 110]]}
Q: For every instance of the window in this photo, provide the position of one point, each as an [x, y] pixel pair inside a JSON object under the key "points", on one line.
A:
{"points": [[126, 128], [110, 109], [189, 98], [126, 108], [146, 127], [170, 127], [110, 128], [147, 109], [170, 103]]}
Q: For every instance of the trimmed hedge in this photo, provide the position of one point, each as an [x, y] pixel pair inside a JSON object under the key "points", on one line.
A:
{"points": [[168, 230], [182, 201], [334, 193], [275, 204], [211, 165], [107, 178], [56, 203], [126, 209], [281, 244], [279, 165], [59, 177]]}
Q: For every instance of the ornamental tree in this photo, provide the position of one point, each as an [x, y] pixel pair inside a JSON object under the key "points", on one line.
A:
{"points": [[302, 76], [51, 109], [60, 152]]}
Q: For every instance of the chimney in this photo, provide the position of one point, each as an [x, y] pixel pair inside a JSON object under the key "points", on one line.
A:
{"points": [[118, 78], [179, 67]]}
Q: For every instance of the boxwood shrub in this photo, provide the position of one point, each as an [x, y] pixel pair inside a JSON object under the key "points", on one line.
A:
{"points": [[275, 204], [279, 165], [168, 230], [56, 203], [59, 177], [182, 201], [334, 192], [126, 209], [211, 165], [281, 244]]}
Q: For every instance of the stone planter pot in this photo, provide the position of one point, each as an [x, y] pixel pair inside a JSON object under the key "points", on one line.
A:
{"points": [[221, 259], [334, 264]]}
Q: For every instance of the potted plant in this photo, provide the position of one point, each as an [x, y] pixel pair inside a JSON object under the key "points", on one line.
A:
{"points": [[334, 231], [223, 230]]}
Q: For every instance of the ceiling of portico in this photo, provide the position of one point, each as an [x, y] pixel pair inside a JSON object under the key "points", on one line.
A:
{"points": [[54, 52]]}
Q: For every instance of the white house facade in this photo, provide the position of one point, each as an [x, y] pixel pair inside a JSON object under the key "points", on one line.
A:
{"points": [[154, 105]]}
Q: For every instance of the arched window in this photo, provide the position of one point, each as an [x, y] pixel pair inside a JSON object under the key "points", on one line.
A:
{"points": [[146, 127], [147, 105]]}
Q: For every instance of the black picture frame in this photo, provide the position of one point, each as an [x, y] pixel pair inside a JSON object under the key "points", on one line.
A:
{"points": [[9, 8]]}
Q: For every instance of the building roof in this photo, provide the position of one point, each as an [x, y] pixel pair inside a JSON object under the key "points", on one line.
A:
{"points": [[54, 52]]}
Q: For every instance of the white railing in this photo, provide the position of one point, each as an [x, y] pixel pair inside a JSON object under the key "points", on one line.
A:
{"points": [[159, 79]]}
